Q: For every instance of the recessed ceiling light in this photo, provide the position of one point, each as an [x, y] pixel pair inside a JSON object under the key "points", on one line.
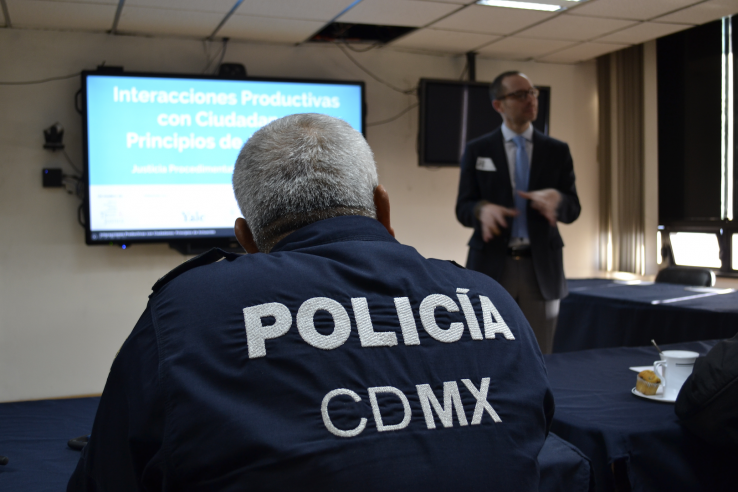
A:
{"points": [[520, 5]]}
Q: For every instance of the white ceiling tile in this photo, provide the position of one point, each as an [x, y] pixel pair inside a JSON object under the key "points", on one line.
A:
{"points": [[575, 28], [703, 12], [443, 41], [581, 52], [518, 48], [44, 14], [491, 20], [220, 6], [410, 13], [642, 32], [632, 9], [168, 21], [320, 10], [269, 29]]}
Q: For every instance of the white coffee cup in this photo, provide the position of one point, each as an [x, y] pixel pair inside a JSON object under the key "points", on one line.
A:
{"points": [[675, 367]]}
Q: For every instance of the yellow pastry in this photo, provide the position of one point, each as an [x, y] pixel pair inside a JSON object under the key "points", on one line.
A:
{"points": [[647, 382]]}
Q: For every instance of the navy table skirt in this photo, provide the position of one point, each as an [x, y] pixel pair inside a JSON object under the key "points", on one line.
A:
{"points": [[601, 313], [34, 435]]}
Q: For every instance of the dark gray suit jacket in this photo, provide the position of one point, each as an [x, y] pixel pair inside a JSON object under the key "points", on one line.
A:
{"points": [[551, 167]]}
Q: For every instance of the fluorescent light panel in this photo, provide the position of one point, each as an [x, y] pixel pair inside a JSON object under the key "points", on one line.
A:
{"points": [[520, 5]]}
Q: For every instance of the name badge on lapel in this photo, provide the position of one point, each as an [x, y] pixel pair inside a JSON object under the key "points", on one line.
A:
{"points": [[485, 164]]}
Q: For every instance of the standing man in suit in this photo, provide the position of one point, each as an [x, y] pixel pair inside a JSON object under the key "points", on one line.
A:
{"points": [[516, 183]]}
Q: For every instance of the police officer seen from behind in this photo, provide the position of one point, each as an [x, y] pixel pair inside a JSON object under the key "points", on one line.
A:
{"points": [[516, 184], [330, 358]]}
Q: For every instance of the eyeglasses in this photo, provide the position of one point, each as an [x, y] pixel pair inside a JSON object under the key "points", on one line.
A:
{"points": [[521, 95]]}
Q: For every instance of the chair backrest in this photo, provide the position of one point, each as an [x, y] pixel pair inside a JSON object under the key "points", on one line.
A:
{"points": [[701, 277]]}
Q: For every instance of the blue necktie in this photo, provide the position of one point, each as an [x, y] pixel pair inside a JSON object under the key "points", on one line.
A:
{"points": [[520, 223]]}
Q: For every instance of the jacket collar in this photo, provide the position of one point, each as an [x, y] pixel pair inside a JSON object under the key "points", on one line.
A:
{"points": [[335, 230]]}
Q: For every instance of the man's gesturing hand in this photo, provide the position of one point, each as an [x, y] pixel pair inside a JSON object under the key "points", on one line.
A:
{"points": [[545, 201], [492, 218]]}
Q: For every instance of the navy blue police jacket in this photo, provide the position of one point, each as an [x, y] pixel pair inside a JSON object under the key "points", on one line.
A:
{"points": [[342, 360]]}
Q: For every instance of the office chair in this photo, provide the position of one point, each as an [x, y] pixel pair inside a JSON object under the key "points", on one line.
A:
{"points": [[700, 277]]}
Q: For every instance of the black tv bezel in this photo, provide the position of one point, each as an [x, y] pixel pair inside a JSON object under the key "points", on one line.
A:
{"points": [[185, 246], [422, 94]]}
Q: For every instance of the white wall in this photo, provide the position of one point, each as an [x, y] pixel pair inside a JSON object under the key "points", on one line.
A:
{"points": [[65, 308]]}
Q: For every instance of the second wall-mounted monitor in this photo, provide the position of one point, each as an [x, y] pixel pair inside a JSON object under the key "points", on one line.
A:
{"points": [[454, 112]]}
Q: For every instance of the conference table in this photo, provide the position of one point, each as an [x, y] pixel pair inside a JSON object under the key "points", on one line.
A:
{"points": [[34, 435], [601, 433], [633, 443], [602, 313]]}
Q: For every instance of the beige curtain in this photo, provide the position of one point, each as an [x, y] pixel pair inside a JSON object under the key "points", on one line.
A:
{"points": [[621, 160]]}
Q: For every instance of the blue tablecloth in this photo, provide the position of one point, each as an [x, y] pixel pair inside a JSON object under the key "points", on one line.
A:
{"points": [[600, 313], [34, 435], [596, 411]]}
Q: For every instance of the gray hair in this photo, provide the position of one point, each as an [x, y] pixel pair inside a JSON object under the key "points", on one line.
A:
{"points": [[301, 169]]}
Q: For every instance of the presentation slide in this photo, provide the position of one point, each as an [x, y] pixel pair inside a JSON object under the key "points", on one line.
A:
{"points": [[161, 151]]}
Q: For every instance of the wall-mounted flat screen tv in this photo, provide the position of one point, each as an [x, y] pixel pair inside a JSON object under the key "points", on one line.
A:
{"points": [[454, 112], [160, 149]]}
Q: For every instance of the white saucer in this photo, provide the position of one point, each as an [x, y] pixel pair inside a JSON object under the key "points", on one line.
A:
{"points": [[656, 397]]}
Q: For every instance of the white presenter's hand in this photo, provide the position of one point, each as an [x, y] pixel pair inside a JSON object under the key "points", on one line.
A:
{"points": [[492, 218], [546, 201]]}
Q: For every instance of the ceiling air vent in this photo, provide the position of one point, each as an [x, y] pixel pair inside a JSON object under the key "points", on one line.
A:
{"points": [[342, 32]]}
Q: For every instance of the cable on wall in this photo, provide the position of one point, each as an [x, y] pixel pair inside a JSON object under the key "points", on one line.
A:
{"points": [[69, 160], [220, 54], [408, 92], [41, 81], [389, 120]]}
